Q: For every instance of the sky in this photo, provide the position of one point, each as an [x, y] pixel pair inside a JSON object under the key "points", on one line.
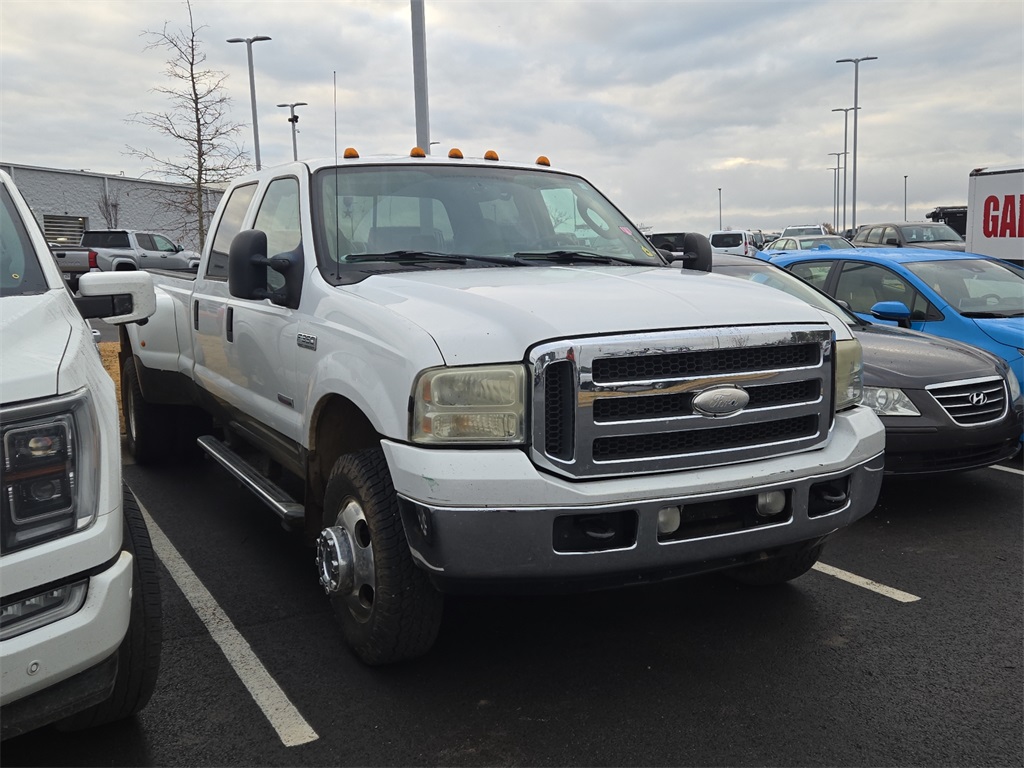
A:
{"points": [[688, 115]]}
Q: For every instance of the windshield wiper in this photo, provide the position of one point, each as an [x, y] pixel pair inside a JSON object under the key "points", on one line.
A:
{"points": [[406, 256], [987, 314], [570, 257]]}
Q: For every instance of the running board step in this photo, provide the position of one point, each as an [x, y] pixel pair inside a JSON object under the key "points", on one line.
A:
{"points": [[281, 503]]}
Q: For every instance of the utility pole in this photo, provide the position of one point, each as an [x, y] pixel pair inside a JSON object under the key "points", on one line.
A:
{"points": [[294, 119], [252, 91], [856, 84]]}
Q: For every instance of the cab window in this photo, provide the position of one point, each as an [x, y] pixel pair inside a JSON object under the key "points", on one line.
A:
{"points": [[230, 224], [278, 217]]}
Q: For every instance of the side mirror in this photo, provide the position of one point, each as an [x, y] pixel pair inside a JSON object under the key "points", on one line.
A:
{"points": [[247, 270], [116, 297], [892, 310], [696, 253], [892, 241]]}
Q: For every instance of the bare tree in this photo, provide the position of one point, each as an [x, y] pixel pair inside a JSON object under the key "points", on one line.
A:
{"points": [[198, 119], [109, 205]]}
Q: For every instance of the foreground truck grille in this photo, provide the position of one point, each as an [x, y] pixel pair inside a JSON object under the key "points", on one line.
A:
{"points": [[609, 406]]}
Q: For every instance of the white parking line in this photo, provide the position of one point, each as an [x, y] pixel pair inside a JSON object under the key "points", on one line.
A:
{"points": [[860, 581], [1014, 470], [282, 714]]}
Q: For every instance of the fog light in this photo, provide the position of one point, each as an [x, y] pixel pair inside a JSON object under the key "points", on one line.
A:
{"points": [[770, 503], [668, 520]]}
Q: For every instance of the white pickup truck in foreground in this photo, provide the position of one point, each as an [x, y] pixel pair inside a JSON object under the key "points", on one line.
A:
{"points": [[465, 374], [80, 614]]}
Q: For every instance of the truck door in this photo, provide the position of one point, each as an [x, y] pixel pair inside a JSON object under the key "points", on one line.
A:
{"points": [[249, 346]]}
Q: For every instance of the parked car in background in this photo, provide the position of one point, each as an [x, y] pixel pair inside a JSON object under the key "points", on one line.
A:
{"points": [[127, 249], [803, 243], [736, 241], [804, 229], [945, 405], [914, 234], [961, 296], [668, 241]]}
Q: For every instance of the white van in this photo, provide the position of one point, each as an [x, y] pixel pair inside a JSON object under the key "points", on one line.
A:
{"points": [[738, 242]]}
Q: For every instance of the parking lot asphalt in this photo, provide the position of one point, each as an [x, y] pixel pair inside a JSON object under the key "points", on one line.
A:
{"points": [[917, 660]]}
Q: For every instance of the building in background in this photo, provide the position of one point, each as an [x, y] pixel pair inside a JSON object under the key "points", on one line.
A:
{"points": [[67, 203]]}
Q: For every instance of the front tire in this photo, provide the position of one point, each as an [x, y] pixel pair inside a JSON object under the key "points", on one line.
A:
{"points": [[138, 656], [386, 606]]}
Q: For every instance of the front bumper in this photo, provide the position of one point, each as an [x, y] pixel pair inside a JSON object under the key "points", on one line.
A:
{"points": [[933, 442], [54, 653], [485, 519]]}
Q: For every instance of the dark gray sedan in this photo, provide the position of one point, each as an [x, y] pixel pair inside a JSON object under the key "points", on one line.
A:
{"points": [[946, 406]]}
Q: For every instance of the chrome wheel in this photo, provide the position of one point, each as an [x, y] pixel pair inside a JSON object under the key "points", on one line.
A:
{"points": [[345, 560]]}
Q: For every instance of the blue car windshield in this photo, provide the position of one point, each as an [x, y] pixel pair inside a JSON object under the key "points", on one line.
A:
{"points": [[975, 287]]}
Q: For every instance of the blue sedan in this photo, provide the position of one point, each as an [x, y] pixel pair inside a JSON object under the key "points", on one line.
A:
{"points": [[962, 296]]}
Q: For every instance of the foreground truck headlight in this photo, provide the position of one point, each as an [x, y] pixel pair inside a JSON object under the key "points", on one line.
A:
{"points": [[46, 491], [849, 374], [484, 404]]}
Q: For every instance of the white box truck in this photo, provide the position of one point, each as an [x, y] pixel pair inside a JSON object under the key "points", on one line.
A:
{"points": [[995, 212]]}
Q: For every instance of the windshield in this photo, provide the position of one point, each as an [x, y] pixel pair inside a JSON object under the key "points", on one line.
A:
{"points": [[975, 287], [776, 278], [466, 215], [930, 233], [20, 273], [810, 243]]}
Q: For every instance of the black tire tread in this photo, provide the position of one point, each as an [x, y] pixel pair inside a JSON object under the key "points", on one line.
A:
{"points": [[406, 616], [153, 422], [139, 652]]}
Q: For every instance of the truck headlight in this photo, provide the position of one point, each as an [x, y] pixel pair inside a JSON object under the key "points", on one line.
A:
{"points": [[889, 401], [849, 374], [48, 485], [470, 405]]}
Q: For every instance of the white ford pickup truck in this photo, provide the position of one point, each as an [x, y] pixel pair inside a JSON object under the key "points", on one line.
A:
{"points": [[80, 614], [467, 374]]}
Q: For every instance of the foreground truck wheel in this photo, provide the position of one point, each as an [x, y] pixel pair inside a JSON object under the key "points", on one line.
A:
{"points": [[387, 608], [778, 569], [138, 657]]}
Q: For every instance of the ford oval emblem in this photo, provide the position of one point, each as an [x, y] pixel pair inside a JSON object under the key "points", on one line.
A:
{"points": [[720, 401]]}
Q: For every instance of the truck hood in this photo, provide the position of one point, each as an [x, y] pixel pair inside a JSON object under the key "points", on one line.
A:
{"points": [[35, 332], [894, 357], [495, 314]]}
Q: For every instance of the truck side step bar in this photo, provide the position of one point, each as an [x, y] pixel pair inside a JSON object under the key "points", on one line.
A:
{"points": [[283, 505]]}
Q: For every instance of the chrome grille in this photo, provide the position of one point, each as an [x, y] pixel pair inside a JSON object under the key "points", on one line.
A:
{"points": [[973, 402], [608, 406]]}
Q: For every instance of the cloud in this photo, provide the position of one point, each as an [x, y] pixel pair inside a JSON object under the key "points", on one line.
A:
{"points": [[659, 103]]}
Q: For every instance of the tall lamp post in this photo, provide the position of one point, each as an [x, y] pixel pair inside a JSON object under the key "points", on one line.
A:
{"points": [[294, 119], [856, 85], [905, 198], [252, 90], [719, 207], [846, 155], [835, 189]]}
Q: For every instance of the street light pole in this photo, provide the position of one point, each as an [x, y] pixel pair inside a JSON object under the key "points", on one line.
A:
{"points": [[252, 90], [846, 155], [719, 207], [856, 86], [904, 198], [294, 119], [835, 189]]}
